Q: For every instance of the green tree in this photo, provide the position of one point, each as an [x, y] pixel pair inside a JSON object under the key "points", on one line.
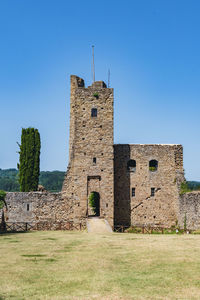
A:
{"points": [[94, 202], [2, 198], [29, 160]]}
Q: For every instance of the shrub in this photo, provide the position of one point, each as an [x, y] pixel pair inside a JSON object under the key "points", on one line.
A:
{"points": [[134, 230], [96, 95], [184, 188], [152, 169]]}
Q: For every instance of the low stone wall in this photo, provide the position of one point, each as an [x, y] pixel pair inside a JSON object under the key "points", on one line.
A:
{"points": [[189, 207], [43, 210]]}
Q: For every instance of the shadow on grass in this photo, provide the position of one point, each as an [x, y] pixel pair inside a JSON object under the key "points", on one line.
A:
{"points": [[10, 233]]}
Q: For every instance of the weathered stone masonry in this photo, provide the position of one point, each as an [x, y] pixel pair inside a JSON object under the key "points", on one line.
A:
{"points": [[189, 208], [142, 208], [91, 148], [137, 184], [42, 210]]}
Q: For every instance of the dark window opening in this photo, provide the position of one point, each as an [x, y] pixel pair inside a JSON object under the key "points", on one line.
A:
{"points": [[133, 192], [101, 153], [153, 165], [106, 204], [27, 207], [94, 160], [152, 192], [131, 165], [83, 139], [94, 112]]}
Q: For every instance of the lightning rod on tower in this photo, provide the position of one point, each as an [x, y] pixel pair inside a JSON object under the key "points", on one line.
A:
{"points": [[93, 69], [108, 78]]}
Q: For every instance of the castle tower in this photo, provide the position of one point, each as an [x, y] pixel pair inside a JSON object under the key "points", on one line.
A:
{"points": [[91, 154]]}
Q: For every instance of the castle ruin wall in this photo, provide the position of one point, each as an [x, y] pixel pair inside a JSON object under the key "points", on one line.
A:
{"points": [[189, 210]]}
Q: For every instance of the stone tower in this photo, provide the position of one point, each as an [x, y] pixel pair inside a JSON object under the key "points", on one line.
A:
{"points": [[91, 153]]}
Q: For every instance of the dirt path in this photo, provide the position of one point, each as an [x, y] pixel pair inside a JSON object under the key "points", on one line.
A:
{"points": [[97, 225]]}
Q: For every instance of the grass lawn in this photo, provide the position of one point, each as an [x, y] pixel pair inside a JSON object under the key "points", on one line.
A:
{"points": [[74, 265]]}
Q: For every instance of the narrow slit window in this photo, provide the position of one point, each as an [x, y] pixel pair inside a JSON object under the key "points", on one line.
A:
{"points": [[94, 112], [94, 160], [152, 192], [27, 207], [133, 192]]}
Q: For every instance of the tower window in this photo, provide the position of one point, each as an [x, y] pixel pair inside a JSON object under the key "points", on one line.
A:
{"points": [[133, 192], [94, 160], [131, 165], [152, 192], [94, 112], [153, 165], [27, 207]]}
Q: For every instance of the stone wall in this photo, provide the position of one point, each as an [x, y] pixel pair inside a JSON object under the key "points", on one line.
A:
{"points": [[189, 207], [42, 210], [144, 209], [90, 138]]}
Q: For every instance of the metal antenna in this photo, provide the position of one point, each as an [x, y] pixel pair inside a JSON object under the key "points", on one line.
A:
{"points": [[108, 78], [93, 64]]}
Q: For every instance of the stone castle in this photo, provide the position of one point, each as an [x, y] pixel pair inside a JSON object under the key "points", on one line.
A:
{"points": [[137, 185]]}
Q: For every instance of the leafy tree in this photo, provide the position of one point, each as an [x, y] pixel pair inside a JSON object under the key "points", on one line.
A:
{"points": [[29, 160], [94, 202], [2, 198], [52, 181]]}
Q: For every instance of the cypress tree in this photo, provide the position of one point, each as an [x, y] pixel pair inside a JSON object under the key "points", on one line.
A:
{"points": [[29, 160]]}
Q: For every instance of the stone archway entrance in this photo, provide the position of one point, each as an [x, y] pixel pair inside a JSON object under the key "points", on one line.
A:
{"points": [[93, 190], [94, 204]]}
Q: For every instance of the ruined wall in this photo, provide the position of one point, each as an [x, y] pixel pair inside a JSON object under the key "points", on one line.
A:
{"points": [[42, 210], [144, 209], [90, 137], [189, 206]]}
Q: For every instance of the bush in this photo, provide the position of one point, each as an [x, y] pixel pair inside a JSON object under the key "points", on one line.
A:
{"points": [[134, 230], [184, 188], [152, 169], [96, 95]]}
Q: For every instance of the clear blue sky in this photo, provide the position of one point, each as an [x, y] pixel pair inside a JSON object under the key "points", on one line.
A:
{"points": [[152, 48]]}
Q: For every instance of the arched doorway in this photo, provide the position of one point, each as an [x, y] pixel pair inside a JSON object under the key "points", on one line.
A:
{"points": [[94, 204]]}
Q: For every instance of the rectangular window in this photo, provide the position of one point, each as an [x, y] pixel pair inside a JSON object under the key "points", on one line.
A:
{"points": [[94, 160], [27, 207], [152, 192], [133, 192], [94, 112]]}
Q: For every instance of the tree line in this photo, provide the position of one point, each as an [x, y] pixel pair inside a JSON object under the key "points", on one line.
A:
{"points": [[51, 180]]}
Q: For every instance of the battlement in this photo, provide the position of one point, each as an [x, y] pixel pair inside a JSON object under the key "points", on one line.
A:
{"points": [[77, 82], [98, 84]]}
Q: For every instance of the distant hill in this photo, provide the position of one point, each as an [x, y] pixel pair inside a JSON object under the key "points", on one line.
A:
{"points": [[52, 181], [194, 185]]}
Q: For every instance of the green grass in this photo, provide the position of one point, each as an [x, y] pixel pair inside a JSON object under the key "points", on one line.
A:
{"points": [[74, 265]]}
